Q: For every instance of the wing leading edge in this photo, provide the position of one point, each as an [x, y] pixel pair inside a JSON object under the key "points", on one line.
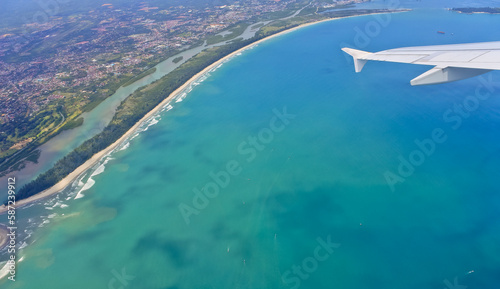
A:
{"points": [[451, 62]]}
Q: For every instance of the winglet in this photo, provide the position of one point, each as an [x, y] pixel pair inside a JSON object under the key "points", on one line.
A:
{"points": [[357, 55]]}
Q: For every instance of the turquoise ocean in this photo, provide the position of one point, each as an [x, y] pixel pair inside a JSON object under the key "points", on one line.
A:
{"points": [[300, 147]]}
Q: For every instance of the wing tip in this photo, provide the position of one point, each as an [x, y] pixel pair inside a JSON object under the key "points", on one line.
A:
{"points": [[355, 52], [357, 55]]}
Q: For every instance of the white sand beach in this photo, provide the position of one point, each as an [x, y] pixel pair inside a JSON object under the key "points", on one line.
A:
{"points": [[89, 163]]}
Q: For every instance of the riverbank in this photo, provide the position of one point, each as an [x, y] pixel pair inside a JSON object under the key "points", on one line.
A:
{"points": [[96, 157]]}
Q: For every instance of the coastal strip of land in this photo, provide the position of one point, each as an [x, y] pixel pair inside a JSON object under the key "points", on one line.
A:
{"points": [[63, 183], [475, 10]]}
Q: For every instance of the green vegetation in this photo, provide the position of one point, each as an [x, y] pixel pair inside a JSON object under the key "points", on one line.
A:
{"points": [[279, 14], [236, 40], [307, 11], [98, 94], [234, 32], [45, 123], [33, 156], [34, 130], [72, 124], [17, 160], [177, 59], [290, 9], [258, 25], [140, 76], [40, 48]]}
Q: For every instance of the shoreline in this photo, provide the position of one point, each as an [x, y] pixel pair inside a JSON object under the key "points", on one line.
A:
{"points": [[62, 184]]}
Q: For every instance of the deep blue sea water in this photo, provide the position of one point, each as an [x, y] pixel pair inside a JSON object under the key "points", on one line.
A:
{"points": [[288, 185]]}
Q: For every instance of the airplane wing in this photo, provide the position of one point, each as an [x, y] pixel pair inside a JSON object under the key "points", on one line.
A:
{"points": [[451, 62]]}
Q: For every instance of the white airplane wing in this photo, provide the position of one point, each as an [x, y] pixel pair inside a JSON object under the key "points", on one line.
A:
{"points": [[451, 62]]}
